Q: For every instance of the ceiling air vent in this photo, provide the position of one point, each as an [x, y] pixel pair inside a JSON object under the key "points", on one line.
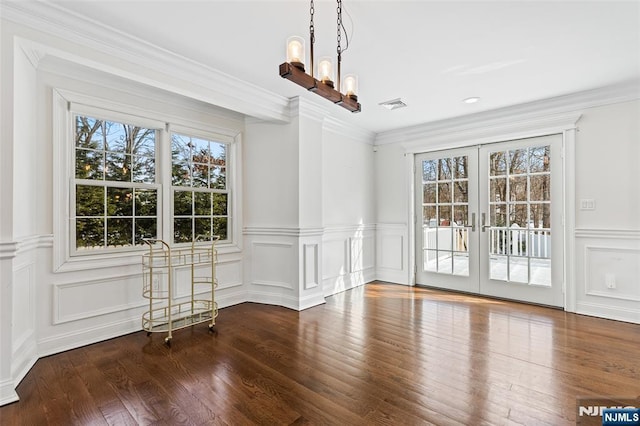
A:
{"points": [[393, 104]]}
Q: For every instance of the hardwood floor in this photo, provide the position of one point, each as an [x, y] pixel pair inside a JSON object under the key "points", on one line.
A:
{"points": [[379, 354]]}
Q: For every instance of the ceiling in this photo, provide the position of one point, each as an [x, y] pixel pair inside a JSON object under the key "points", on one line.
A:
{"points": [[432, 54]]}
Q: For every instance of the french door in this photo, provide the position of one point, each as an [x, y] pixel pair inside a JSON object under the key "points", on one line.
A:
{"points": [[489, 220]]}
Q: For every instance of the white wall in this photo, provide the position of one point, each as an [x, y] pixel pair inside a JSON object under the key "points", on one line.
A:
{"points": [[26, 190], [309, 221], [348, 179], [271, 182], [607, 167], [608, 237], [8, 247], [606, 240], [393, 196], [349, 211]]}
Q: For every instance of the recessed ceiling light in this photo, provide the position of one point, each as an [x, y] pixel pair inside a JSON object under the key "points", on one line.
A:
{"points": [[471, 100], [393, 104]]}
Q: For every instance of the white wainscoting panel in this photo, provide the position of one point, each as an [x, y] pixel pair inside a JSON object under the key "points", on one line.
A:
{"points": [[272, 264], [348, 257], [335, 257], [608, 273], [392, 260], [229, 273], [310, 264], [617, 267], [23, 345], [74, 301], [23, 318], [362, 251]]}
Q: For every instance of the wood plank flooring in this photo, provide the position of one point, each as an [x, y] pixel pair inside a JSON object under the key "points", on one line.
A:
{"points": [[378, 354]]}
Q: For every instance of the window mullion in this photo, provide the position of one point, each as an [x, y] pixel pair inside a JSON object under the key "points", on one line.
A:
{"points": [[166, 204]]}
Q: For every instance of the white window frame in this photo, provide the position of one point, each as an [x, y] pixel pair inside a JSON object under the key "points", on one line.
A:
{"points": [[66, 105], [81, 110], [227, 140]]}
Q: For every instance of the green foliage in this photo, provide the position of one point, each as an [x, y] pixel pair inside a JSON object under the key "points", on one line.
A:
{"points": [[110, 215], [200, 164]]}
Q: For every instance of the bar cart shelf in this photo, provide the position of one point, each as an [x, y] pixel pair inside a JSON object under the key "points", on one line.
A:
{"points": [[167, 312]]}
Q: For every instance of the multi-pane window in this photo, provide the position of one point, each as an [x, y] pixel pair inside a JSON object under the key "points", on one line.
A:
{"points": [[520, 214], [445, 203], [200, 193], [116, 195], [119, 170]]}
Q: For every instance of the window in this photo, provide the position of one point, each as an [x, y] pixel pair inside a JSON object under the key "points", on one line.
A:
{"points": [[120, 169], [199, 188], [116, 195]]}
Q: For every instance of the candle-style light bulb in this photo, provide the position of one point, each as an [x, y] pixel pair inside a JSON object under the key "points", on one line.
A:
{"points": [[295, 51], [350, 84], [325, 71]]}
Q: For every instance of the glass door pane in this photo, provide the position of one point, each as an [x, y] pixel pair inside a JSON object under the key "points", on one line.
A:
{"points": [[518, 180], [445, 208], [520, 215]]}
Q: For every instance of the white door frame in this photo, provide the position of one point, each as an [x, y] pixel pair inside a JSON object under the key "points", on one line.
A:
{"points": [[503, 130]]}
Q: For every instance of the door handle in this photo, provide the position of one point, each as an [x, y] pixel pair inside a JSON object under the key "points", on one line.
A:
{"points": [[484, 225], [473, 223]]}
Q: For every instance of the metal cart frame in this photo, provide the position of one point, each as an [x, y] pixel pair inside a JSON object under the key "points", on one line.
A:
{"points": [[166, 313]]}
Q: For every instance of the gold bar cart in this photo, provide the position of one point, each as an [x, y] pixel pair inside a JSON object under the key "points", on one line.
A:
{"points": [[166, 311]]}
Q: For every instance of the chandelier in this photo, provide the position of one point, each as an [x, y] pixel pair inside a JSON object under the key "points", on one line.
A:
{"points": [[325, 86]]}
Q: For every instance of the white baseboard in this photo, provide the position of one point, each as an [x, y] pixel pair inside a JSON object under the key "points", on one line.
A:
{"points": [[392, 276], [335, 285], [608, 312], [8, 392]]}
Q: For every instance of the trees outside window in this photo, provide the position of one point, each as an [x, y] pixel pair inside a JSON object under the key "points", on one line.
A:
{"points": [[199, 187], [116, 196], [118, 180]]}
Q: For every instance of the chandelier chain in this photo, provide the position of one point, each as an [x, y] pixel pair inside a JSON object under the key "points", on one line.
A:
{"points": [[312, 11], [339, 10]]}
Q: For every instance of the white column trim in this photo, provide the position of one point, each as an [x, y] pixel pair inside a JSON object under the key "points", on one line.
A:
{"points": [[569, 218]]}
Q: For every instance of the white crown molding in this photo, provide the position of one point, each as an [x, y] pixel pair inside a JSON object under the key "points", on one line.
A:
{"points": [[495, 131], [303, 107], [357, 134], [33, 54], [551, 112], [179, 74], [213, 113]]}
